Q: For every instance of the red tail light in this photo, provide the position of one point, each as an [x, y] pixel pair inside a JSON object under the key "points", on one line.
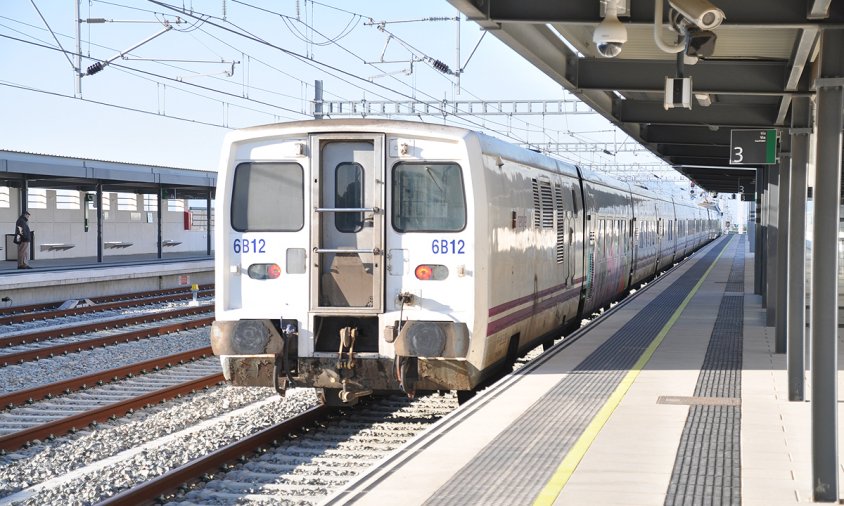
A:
{"points": [[264, 271], [273, 271], [424, 272], [427, 272]]}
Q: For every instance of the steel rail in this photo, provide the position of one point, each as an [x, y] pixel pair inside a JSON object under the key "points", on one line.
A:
{"points": [[19, 439], [53, 333], [31, 395], [90, 344], [100, 300], [96, 308], [149, 491]]}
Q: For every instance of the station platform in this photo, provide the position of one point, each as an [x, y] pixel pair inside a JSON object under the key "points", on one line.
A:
{"points": [[52, 280], [675, 397]]}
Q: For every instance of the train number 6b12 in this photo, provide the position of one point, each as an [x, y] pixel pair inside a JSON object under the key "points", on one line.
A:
{"points": [[444, 246], [249, 245]]}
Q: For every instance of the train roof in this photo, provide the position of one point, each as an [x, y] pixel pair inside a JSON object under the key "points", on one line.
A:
{"points": [[489, 145], [593, 176], [346, 125], [497, 147]]}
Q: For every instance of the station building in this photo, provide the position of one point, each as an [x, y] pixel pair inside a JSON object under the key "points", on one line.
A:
{"points": [[100, 210]]}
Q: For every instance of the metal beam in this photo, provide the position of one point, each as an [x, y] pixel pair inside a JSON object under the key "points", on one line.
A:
{"points": [[746, 12], [801, 121], [710, 76], [685, 135], [799, 57], [770, 297], [608, 148], [694, 160], [824, 330], [781, 268], [673, 150], [730, 115], [540, 46], [442, 108], [722, 179]]}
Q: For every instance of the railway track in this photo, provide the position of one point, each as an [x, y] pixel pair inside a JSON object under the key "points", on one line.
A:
{"points": [[59, 340], [51, 417], [300, 461], [94, 464], [49, 310], [305, 464], [50, 390], [302, 458], [75, 403]]}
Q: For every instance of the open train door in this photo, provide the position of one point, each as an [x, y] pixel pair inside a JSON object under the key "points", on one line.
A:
{"points": [[347, 245], [347, 237]]}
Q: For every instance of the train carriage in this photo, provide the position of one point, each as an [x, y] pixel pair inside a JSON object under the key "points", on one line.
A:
{"points": [[645, 236], [609, 252], [361, 256]]}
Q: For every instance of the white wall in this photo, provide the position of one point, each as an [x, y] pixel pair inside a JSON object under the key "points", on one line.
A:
{"points": [[66, 226]]}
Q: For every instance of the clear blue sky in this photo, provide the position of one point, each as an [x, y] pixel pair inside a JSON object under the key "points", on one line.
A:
{"points": [[297, 42]]}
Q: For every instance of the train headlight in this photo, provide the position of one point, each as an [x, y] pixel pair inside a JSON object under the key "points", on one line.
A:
{"points": [[264, 271], [427, 272]]}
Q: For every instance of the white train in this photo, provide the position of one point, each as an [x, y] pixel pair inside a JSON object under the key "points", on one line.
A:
{"points": [[361, 256]]}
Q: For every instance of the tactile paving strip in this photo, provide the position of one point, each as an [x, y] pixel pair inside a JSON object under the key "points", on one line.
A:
{"points": [[527, 453], [707, 469]]}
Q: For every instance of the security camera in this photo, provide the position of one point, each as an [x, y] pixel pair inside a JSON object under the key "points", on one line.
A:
{"points": [[700, 13], [611, 34]]}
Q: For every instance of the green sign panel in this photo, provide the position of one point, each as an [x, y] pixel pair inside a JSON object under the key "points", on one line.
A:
{"points": [[754, 147]]}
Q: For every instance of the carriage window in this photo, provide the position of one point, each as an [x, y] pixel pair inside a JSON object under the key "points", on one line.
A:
{"points": [[428, 197], [268, 197], [348, 193]]}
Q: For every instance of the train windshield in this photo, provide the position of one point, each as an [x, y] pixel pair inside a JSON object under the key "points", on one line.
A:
{"points": [[428, 197], [268, 197]]}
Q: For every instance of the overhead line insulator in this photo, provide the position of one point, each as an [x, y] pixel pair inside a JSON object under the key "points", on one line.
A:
{"points": [[442, 67], [93, 69]]}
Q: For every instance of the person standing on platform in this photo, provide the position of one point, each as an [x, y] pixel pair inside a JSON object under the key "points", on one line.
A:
{"points": [[22, 239]]}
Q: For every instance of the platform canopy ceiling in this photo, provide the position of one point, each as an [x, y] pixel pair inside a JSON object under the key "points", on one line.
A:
{"points": [[18, 169], [763, 57]]}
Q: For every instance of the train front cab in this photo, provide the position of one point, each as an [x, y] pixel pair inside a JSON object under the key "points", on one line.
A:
{"points": [[334, 259]]}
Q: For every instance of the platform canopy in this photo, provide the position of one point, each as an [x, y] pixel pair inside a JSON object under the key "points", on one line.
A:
{"points": [[46, 171], [762, 57]]}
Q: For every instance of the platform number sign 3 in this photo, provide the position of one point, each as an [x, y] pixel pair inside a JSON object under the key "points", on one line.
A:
{"points": [[753, 147]]}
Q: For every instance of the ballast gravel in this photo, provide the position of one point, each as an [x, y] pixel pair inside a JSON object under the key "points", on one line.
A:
{"points": [[32, 374], [70, 470]]}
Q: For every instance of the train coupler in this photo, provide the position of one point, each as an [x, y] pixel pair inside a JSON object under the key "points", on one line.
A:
{"points": [[346, 353]]}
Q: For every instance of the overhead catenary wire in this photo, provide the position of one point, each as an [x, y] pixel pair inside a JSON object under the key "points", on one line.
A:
{"points": [[471, 122], [196, 24], [130, 69], [303, 37], [45, 45], [54, 36], [107, 104], [308, 61]]}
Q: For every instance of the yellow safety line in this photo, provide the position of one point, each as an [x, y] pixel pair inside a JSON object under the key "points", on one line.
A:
{"points": [[566, 468]]}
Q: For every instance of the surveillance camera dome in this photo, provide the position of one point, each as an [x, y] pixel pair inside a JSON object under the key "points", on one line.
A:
{"points": [[609, 37], [609, 49]]}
